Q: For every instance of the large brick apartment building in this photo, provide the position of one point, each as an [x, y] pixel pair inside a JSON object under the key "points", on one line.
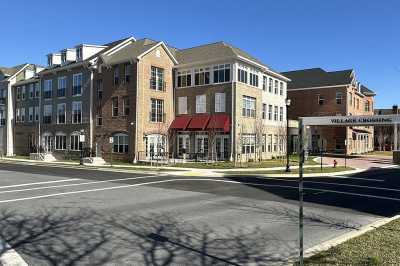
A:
{"points": [[140, 99], [316, 92]]}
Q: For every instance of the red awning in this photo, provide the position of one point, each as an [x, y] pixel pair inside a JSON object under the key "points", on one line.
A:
{"points": [[180, 122], [219, 122], [198, 122]]}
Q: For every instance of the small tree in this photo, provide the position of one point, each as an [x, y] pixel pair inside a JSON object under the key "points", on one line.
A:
{"points": [[259, 130]]}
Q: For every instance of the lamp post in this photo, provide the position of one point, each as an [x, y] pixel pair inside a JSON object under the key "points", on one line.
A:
{"points": [[81, 141], [287, 102]]}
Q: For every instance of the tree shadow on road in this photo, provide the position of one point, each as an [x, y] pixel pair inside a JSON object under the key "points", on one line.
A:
{"points": [[83, 237]]}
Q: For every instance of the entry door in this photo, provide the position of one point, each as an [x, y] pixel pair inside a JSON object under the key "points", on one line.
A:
{"points": [[222, 145], [48, 143], [183, 144], [155, 146], [202, 146]]}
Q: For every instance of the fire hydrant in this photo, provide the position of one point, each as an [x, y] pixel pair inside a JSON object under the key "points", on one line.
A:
{"points": [[334, 163]]}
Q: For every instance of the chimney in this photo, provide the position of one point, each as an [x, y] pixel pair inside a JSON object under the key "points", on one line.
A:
{"points": [[395, 109]]}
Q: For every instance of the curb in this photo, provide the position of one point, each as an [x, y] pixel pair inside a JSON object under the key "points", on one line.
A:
{"points": [[347, 236], [11, 258]]}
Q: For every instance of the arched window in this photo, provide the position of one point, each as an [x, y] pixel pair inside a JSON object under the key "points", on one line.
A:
{"points": [[75, 143], [121, 143]]}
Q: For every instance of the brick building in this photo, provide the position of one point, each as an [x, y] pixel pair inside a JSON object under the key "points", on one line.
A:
{"points": [[316, 92]]}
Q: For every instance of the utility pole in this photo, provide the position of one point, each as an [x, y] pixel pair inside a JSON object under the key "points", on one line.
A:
{"points": [[301, 163]]}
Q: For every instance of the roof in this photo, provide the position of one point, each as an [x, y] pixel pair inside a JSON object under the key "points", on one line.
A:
{"points": [[317, 77], [9, 71], [131, 51], [213, 51], [26, 81], [71, 64], [386, 111], [366, 91]]}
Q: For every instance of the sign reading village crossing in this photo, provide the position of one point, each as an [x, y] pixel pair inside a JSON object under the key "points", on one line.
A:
{"points": [[368, 120]]}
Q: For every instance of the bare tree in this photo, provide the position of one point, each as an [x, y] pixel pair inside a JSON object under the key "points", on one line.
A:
{"points": [[259, 130], [282, 138]]}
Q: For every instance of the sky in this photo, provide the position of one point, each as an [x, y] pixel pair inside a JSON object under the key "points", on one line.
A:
{"points": [[285, 34]]}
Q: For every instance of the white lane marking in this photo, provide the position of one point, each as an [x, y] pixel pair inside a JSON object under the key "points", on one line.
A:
{"points": [[76, 184], [332, 183], [357, 178], [40, 183], [191, 179]]}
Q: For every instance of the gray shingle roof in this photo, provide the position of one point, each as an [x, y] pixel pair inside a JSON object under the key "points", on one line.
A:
{"points": [[317, 77], [130, 52], [9, 71], [212, 51], [366, 91]]}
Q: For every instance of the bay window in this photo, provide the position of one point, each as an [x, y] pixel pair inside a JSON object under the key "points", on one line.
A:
{"points": [[222, 73]]}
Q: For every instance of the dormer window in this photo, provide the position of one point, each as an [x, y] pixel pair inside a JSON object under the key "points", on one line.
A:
{"points": [[79, 53], [63, 57], [49, 60]]}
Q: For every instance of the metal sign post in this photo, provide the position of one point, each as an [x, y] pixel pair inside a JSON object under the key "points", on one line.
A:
{"points": [[301, 162], [111, 140]]}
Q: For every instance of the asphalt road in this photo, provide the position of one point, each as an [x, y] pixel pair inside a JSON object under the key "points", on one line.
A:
{"points": [[57, 216]]}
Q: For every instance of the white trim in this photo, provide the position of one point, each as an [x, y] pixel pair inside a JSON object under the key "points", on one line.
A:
{"points": [[319, 87], [154, 47], [119, 46], [16, 73]]}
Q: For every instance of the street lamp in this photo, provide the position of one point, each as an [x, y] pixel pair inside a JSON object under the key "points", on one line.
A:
{"points": [[81, 140], [287, 102]]}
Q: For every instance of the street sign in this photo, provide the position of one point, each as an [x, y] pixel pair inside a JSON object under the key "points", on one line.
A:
{"points": [[111, 139]]}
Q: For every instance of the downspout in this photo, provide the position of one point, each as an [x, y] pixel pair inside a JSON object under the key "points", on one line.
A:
{"points": [[135, 159]]}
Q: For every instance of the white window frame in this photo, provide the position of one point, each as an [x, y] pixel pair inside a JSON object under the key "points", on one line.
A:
{"points": [[75, 110], [201, 104], [58, 113], [75, 144], [220, 102], [63, 143], [30, 114], [182, 105], [249, 106], [117, 143], [62, 84], [48, 87], [76, 79]]}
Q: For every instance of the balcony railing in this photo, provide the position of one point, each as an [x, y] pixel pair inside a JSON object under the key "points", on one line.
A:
{"points": [[158, 85]]}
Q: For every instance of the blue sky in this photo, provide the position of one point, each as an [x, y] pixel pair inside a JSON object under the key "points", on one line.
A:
{"points": [[285, 34]]}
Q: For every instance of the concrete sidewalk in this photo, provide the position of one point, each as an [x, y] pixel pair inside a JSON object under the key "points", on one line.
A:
{"points": [[178, 171]]}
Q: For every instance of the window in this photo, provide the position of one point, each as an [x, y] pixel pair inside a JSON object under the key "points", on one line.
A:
{"points": [[253, 79], [184, 79], [265, 81], [367, 106], [114, 106], [275, 113], [219, 102], [37, 90], [23, 94], [31, 91], [61, 142], [79, 55], [281, 88], [2, 117], [75, 144], [62, 86], [157, 79], [121, 143], [248, 106], [222, 73], [339, 98], [61, 113], [116, 75], [22, 114], [270, 85], [275, 143], [358, 104], [157, 110], [30, 114], [270, 112], [202, 76], [47, 114], [76, 112], [351, 99], [125, 105], [77, 84], [47, 90], [99, 117], [182, 105], [99, 89], [127, 72], [248, 143], [201, 102], [269, 143], [264, 111], [321, 100], [280, 113], [37, 113], [242, 75], [18, 93], [263, 143], [276, 87], [201, 145], [17, 115]]}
